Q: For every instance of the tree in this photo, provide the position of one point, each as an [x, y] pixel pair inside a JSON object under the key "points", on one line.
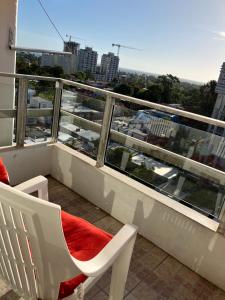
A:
{"points": [[124, 89], [191, 99], [207, 98], [155, 92], [168, 83], [115, 156], [114, 82], [143, 174], [22, 66], [80, 76], [56, 71], [201, 100], [148, 175]]}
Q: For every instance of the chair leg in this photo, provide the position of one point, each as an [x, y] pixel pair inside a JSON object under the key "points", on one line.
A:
{"points": [[120, 271]]}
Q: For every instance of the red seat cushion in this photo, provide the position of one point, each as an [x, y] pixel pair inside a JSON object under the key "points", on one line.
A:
{"points": [[4, 177], [84, 241]]}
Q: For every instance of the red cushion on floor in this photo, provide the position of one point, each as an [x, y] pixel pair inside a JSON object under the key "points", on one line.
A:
{"points": [[84, 241], [4, 177]]}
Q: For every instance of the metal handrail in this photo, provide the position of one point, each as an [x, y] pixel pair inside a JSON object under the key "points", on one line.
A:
{"points": [[186, 163], [157, 152], [160, 153], [125, 98], [29, 77], [149, 104], [31, 112]]}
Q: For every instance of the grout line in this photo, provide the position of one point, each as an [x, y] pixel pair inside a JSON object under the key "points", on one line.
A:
{"points": [[101, 218], [147, 276]]}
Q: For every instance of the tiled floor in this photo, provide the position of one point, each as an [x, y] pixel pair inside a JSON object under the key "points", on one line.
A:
{"points": [[153, 273]]}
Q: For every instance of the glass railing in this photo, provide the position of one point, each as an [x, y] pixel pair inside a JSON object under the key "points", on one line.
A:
{"points": [[177, 153], [166, 169], [81, 119], [8, 111], [40, 96]]}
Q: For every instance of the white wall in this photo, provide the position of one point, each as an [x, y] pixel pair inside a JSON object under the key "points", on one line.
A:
{"points": [[179, 230], [182, 232], [25, 163], [8, 19]]}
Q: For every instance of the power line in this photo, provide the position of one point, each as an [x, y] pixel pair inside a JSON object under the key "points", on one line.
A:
{"points": [[53, 24]]}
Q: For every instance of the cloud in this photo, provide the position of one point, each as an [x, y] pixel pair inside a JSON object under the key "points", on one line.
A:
{"points": [[219, 35]]}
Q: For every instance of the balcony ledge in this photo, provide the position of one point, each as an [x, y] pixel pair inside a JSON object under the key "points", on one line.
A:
{"points": [[183, 233], [176, 206]]}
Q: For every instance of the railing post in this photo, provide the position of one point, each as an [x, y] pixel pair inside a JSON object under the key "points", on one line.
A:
{"points": [[21, 112], [107, 117], [56, 110], [221, 228]]}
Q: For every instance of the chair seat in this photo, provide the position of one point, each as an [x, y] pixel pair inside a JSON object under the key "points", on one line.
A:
{"points": [[84, 242], [4, 177]]}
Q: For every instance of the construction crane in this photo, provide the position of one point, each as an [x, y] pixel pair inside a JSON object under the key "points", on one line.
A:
{"points": [[122, 46], [75, 37]]}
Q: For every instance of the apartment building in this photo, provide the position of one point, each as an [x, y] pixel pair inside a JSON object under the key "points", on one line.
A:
{"points": [[87, 61], [109, 66], [68, 63], [219, 107]]}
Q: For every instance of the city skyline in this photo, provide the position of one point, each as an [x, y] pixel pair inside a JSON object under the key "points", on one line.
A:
{"points": [[184, 39]]}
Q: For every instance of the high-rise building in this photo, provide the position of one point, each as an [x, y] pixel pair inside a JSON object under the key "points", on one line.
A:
{"points": [[109, 66], [71, 46], [87, 61], [219, 107]]}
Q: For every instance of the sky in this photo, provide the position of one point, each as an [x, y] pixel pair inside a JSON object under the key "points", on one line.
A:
{"points": [[180, 37]]}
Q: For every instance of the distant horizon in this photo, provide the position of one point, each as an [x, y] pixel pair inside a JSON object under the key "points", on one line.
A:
{"points": [[184, 38], [156, 75], [128, 70]]}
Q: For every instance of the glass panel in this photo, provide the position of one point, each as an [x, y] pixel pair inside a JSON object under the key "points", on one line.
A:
{"points": [[179, 135], [81, 119], [160, 169], [40, 102], [8, 101], [83, 103]]}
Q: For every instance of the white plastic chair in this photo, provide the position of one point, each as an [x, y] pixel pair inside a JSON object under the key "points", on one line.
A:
{"points": [[34, 258]]}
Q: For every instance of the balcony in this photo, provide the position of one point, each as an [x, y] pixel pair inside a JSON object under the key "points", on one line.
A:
{"points": [[153, 273], [139, 162]]}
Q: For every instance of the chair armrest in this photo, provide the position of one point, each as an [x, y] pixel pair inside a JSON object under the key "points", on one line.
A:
{"points": [[37, 184], [105, 259]]}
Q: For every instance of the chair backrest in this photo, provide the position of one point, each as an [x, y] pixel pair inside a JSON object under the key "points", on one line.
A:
{"points": [[34, 257]]}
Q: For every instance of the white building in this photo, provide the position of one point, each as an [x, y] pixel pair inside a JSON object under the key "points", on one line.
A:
{"points": [[154, 123], [38, 102], [157, 167], [67, 62], [87, 61], [109, 66]]}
